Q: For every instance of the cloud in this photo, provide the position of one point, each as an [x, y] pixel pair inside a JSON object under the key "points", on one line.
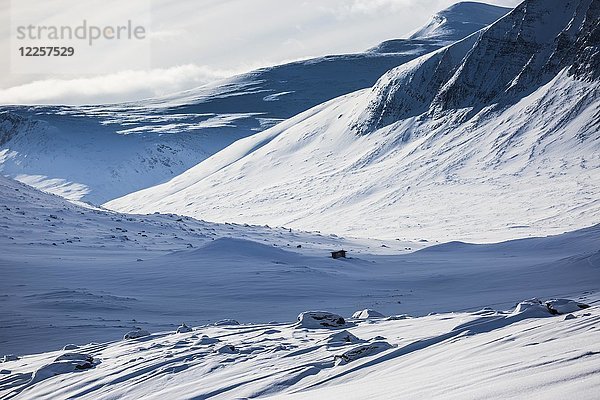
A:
{"points": [[120, 86], [376, 6]]}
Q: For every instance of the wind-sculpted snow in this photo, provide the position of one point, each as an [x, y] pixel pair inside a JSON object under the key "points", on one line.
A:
{"points": [[495, 355]]}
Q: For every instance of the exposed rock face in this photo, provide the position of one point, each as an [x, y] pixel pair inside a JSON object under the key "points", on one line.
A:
{"points": [[499, 65], [12, 124]]}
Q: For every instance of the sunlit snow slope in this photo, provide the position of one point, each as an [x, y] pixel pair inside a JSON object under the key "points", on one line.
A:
{"points": [[494, 137], [98, 153]]}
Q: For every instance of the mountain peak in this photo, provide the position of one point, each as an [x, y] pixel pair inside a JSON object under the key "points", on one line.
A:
{"points": [[460, 20], [505, 62]]}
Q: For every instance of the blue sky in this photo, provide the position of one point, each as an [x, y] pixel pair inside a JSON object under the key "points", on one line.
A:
{"points": [[194, 42]]}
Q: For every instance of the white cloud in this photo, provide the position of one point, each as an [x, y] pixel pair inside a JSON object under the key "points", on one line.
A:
{"points": [[120, 86], [375, 6]]}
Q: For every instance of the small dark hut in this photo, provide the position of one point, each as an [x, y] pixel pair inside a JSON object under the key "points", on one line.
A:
{"points": [[338, 254]]}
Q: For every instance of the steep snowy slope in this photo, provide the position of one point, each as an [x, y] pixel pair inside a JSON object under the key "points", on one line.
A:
{"points": [[98, 153], [494, 137]]}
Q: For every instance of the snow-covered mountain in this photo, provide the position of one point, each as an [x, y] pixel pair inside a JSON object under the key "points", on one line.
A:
{"points": [[494, 137], [98, 153]]}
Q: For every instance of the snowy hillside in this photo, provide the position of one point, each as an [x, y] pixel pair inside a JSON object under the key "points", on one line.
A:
{"points": [[494, 137], [98, 153]]}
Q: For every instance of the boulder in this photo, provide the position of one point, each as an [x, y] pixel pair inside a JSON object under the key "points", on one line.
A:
{"points": [[343, 338], [136, 333], [183, 328], [564, 306], [320, 319], [364, 350]]}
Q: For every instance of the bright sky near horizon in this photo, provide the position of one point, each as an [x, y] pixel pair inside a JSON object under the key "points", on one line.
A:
{"points": [[195, 42]]}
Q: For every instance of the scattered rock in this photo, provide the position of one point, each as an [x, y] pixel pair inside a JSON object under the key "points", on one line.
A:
{"points": [[136, 333], [71, 347], [367, 314], [569, 316], [4, 372], [183, 328], [320, 319]]}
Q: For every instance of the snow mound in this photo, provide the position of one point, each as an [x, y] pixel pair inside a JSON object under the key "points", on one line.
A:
{"points": [[532, 308], [70, 347], [227, 349], [361, 351], [398, 317], [205, 340], [367, 314], [136, 333], [460, 19], [183, 328], [320, 319], [564, 306], [226, 322], [63, 364]]}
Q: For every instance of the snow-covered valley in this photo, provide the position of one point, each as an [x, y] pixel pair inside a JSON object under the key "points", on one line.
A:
{"points": [[421, 220], [74, 275]]}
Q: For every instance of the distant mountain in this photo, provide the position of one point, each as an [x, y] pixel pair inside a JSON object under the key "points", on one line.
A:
{"points": [[97, 153], [494, 137]]}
